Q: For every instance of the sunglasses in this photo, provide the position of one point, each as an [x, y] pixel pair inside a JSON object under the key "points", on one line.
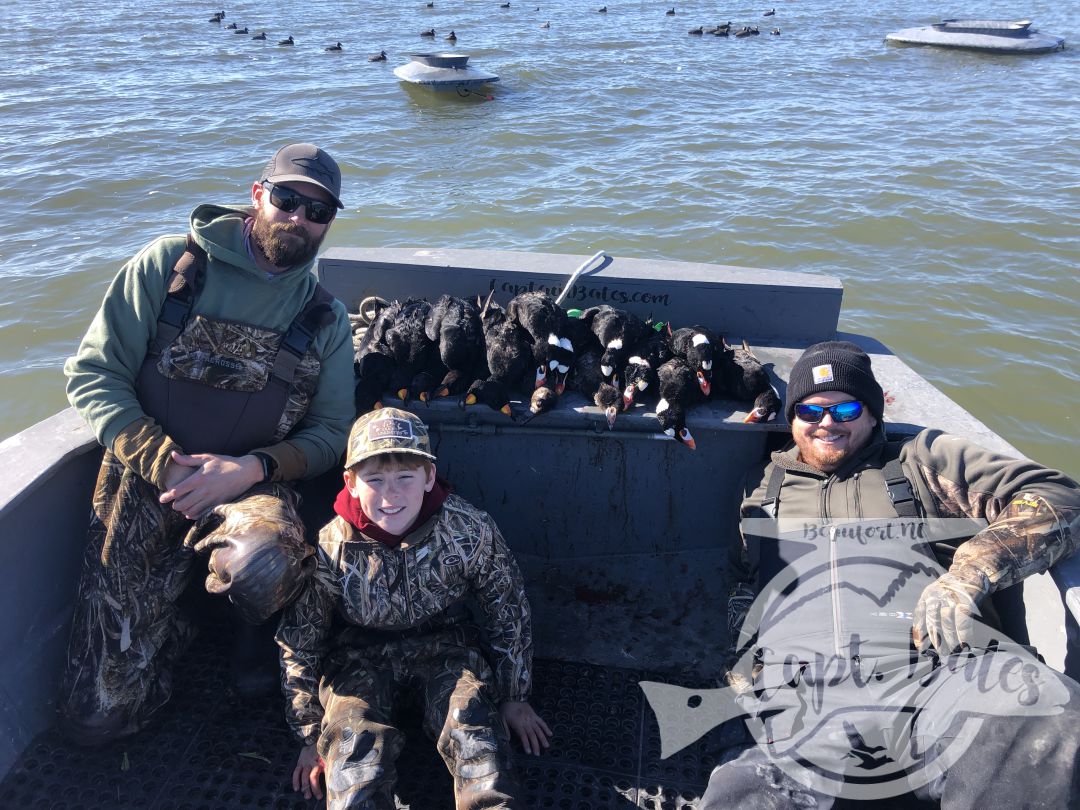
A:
{"points": [[841, 412], [287, 200]]}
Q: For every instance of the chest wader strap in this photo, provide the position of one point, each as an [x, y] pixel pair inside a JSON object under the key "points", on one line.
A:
{"points": [[900, 491], [316, 313], [185, 281], [771, 501]]}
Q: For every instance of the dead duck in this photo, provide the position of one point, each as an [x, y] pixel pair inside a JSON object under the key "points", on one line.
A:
{"points": [[588, 380], [451, 37], [677, 393], [373, 372], [766, 406], [334, 48], [507, 347], [288, 41], [378, 57], [488, 392], [543, 400], [698, 347], [261, 35], [640, 374], [453, 325], [545, 322], [617, 331]]}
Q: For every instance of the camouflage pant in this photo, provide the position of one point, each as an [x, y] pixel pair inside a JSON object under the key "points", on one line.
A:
{"points": [[128, 631], [360, 743]]}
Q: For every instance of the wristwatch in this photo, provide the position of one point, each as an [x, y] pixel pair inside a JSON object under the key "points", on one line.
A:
{"points": [[269, 466]]}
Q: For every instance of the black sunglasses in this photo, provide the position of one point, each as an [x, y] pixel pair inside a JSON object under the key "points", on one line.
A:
{"points": [[288, 201], [840, 412]]}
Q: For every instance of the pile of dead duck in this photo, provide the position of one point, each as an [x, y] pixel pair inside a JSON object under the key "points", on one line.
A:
{"points": [[1001, 36], [481, 352]]}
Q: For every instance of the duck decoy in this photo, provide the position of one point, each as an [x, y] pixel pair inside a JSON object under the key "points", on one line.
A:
{"points": [[775, 32], [217, 17], [288, 41], [334, 47], [602, 10], [431, 4], [260, 35], [241, 30], [771, 12], [451, 37], [546, 25], [428, 33], [378, 57], [505, 5], [670, 12], [696, 31], [230, 27]]}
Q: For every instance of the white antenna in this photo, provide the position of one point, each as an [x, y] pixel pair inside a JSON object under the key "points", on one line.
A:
{"points": [[574, 276]]}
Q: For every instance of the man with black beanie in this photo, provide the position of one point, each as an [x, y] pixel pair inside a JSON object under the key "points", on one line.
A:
{"points": [[868, 656]]}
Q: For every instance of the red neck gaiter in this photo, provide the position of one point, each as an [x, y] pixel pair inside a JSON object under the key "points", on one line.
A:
{"points": [[349, 508]]}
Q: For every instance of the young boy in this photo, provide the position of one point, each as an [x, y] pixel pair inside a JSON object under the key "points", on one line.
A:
{"points": [[396, 565]]}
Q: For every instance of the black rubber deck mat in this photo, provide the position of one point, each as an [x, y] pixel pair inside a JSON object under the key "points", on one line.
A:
{"points": [[211, 749]]}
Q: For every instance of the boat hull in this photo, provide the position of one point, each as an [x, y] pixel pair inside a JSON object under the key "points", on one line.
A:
{"points": [[1031, 42], [442, 78]]}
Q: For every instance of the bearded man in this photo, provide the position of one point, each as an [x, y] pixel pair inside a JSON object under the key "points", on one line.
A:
{"points": [[216, 373]]}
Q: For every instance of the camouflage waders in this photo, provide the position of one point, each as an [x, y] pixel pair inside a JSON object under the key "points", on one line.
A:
{"points": [[128, 632], [360, 744]]}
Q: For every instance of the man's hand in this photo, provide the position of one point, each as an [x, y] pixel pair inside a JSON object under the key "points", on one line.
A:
{"points": [[199, 482], [527, 725], [309, 767], [945, 615]]}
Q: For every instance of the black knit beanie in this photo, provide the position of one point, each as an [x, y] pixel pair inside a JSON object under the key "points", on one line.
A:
{"points": [[835, 365]]}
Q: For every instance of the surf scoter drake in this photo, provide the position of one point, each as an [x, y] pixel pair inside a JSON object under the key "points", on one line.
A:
{"points": [[588, 380], [617, 331], [698, 347], [545, 322]]}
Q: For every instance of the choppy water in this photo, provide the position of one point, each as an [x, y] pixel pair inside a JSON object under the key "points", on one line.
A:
{"points": [[942, 187]]}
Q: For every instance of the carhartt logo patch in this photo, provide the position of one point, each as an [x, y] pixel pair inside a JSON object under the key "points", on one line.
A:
{"points": [[822, 374], [389, 429]]}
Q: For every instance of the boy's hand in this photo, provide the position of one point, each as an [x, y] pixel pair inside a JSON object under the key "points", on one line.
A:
{"points": [[527, 725], [309, 767]]}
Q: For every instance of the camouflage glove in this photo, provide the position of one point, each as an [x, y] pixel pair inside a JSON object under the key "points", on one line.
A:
{"points": [[258, 556], [945, 615]]}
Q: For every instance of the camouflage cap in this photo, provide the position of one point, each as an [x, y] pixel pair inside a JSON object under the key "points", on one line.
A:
{"points": [[387, 430]]}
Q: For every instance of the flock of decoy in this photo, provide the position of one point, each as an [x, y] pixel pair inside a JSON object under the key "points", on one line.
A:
{"points": [[484, 353], [723, 30]]}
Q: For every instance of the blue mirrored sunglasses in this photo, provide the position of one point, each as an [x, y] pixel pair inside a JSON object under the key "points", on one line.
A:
{"points": [[840, 412]]}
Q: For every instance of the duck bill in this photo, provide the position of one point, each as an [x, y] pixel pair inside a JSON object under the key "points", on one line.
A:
{"points": [[470, 399], [687, 439], [753, 417], [442, 391], [628, 397], [560, 384], [403, 395], [506, 409], [541, 378], [703, 383]]}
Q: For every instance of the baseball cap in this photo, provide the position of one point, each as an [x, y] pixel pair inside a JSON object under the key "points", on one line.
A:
{"points": [[387, 430], [308, 163]]}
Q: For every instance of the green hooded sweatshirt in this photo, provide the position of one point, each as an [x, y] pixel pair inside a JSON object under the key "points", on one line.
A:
{"points": [[101, 376]]}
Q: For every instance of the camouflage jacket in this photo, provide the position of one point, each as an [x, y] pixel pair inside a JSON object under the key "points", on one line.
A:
{"points": [[1032, 513], [456, 555]]}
